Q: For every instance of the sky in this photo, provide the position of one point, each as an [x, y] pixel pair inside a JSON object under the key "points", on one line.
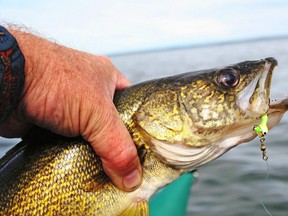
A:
{"points": [[120, 26]]}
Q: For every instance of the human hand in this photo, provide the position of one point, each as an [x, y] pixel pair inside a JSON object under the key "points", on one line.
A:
{"points": [[71, 93]]}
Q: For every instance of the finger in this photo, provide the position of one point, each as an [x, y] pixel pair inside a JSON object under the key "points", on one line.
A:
{"points": [[113, 144], [122, 81]]}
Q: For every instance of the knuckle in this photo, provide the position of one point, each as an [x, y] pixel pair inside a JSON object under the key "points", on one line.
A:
{"points": [[105, 59]]}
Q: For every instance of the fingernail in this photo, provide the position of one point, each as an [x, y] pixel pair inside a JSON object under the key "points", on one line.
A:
{"points": [[132, 180]]}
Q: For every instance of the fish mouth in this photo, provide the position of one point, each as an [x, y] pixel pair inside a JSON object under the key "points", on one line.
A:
{"points": [[259, 88], [266, 77], [189, 158]]}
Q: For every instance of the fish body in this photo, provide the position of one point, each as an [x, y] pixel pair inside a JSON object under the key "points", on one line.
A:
{"points": [[177, 123]]}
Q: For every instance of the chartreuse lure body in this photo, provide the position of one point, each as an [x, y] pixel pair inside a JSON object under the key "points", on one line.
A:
{"points": [[262, 130]]}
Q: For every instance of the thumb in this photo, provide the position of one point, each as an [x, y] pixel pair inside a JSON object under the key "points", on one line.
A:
{"points": [[112, 142]]}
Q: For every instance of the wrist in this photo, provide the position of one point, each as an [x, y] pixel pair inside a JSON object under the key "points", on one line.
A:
{"points": [[46, 70], [35, 51]]}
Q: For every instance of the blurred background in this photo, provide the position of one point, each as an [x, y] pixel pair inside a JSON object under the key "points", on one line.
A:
{"points": [[150, 39], [111, 26]]}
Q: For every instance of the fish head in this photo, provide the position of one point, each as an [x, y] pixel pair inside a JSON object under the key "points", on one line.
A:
{"points": [[221, 100], [196, 117]]}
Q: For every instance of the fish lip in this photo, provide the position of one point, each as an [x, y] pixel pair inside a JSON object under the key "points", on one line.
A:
{"points": [[267, 74], [278, 105], [272, 60]]}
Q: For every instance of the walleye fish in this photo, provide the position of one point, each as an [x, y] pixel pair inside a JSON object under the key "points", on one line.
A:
{"points": [[178, 123]]}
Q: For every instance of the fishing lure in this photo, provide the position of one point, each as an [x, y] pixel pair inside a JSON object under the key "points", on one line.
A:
{"points": [[262, 130]]}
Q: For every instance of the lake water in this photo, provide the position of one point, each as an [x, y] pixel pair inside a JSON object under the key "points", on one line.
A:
{"points": [[234, 184]]}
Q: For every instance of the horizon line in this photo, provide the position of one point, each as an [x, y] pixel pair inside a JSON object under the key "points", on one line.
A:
{"points": [[197, 45]]}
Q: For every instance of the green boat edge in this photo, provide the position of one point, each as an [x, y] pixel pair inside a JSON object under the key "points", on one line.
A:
{"points": [[173, 199]]}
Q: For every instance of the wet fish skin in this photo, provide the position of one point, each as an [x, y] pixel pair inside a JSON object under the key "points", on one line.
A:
{"points": [[177, 124]]}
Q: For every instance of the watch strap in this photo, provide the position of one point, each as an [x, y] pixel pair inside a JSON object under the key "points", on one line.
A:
{"points": [[12, 75]]}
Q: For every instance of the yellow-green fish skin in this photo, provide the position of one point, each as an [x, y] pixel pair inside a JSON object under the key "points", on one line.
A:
{"points": [[177, 123]]}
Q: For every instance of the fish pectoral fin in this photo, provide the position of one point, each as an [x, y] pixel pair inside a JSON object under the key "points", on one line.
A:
{"points": [[139, 208]]}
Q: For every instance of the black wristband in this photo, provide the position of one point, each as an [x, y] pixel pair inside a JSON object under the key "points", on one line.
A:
{"points": [[12, 73]]}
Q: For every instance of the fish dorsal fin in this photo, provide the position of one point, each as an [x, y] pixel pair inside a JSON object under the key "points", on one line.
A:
{"points": [[139, 208]]}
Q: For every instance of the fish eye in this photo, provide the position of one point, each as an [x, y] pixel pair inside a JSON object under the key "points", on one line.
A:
{"points": [[228, 78]]}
